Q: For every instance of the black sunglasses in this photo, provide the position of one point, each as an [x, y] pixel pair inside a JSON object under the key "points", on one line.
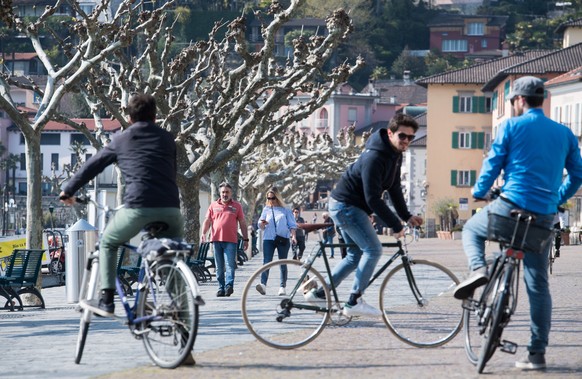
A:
{"points": [[403, 136], [271, 198]]}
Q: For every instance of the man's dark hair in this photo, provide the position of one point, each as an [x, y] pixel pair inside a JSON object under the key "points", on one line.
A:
{"points": [[296, 209], [225, 184], [402, 119], [534, 101], [142, 107]]}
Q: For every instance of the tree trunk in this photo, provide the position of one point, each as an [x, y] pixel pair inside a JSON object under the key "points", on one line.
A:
{"points": [[34, 216]]}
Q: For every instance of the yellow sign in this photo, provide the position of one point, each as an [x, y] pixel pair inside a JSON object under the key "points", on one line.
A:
{"points": [[8, 244]]}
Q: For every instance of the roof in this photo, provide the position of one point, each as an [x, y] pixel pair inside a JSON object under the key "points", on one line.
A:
{"points": [[555, 62], [421, 119], [481, 72], [576, 23], [19, 56], [371, 127], [570, 77], [108, 125], [448, 19], [401, 91]]}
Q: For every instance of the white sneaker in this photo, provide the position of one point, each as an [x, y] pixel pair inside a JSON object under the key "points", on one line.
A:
{"points": [[261, 288], [361, 309], [312, 298], [282, 291]]}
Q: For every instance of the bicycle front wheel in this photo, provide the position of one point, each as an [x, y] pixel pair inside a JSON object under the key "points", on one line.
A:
{"points": [[169, 305], [284, 321], [421, 310], [500, 313]]}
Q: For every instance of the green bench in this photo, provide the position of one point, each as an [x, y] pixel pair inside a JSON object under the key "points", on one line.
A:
{"points": [[198, 263], [21, 277]]}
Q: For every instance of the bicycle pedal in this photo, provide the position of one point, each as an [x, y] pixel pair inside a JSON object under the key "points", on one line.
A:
{"points": [[508, 347]]}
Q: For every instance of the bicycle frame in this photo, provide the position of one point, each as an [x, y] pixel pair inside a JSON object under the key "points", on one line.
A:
{"points": [[401, 253]]}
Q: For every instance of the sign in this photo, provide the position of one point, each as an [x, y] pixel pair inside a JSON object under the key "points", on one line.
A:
{"points": [[463, 204], [8, 244]]}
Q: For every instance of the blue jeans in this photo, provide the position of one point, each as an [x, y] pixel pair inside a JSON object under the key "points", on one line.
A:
{"points": [[329, 239], [535, 271], [355, 227], [268, 252], [222, 249]]}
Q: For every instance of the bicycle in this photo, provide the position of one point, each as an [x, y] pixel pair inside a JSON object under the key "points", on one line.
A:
{"points": [[415, 296], [555, 248], [488, 311], [165, 311]]}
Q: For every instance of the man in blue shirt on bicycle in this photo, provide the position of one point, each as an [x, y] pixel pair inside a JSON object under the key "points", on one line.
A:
{"points": [[532, 151], [146, 156]]}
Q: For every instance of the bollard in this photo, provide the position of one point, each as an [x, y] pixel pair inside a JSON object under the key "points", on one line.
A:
{"points": [[82, 240]]}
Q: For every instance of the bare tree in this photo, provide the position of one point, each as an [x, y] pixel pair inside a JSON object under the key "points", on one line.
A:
{"points": [[295, 162], [217, 97], [220, 99]]}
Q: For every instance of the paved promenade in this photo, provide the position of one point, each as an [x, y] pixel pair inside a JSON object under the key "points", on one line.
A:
{"points": [[41, 343]]}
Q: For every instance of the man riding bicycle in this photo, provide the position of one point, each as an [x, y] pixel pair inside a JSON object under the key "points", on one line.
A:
{"points": [[146, 156], [532, 151]]}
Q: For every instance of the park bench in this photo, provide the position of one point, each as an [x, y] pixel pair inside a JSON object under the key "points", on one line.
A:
{"points": [[198, 263], [21, 277]]}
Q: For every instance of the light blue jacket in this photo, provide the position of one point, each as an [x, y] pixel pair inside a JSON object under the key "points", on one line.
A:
{"points": [[283, 218], [533, 151]]}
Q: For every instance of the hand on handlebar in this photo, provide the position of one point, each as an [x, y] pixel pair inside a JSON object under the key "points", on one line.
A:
{"points": [[492, 194]]}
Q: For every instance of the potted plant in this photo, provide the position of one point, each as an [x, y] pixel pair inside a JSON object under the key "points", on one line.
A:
{"points": [[457, 231], [445, 209]]}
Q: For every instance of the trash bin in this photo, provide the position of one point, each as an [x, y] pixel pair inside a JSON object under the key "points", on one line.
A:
{"points": [[82, 239]]}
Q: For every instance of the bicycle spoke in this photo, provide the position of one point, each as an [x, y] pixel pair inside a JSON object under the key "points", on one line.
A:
{"points": [[283, 322], [431, 318]]}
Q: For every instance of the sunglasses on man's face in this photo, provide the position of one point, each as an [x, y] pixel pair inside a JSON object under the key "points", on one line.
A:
{"points": [[404, 136]]}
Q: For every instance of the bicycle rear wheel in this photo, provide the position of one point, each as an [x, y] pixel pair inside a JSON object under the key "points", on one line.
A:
{"points": [[431, 321], [289, 321], [500, 314], [171, 299]]}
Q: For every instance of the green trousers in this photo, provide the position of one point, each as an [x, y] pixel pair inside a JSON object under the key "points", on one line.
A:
{"points": [[127, 223]]}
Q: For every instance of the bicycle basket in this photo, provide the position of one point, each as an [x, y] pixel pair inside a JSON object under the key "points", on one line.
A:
{"points": [[501, 229]]}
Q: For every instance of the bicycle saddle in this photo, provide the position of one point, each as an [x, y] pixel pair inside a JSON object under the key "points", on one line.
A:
{"points": [[156, 227]]}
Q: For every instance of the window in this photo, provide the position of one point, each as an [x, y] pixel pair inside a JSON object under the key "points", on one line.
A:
{"points": [[87, 8], [79, 138], [483, 43], [73, 161], [465, 103], [23, 161], [454, 45], [475, 29], [463, 178], [322, 122], [487, 145], [464, 140], [352, 115], [488, 104], [55, 161], [50, 139], [468, 140]]}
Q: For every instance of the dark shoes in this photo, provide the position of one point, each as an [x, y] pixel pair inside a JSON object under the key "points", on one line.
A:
{"points": [[466, 288], [226, 292], [532, 361], [98, 307]]}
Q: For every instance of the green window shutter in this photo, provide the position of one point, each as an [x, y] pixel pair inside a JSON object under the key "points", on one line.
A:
{"points": [[506, 88], [480, 140], [453, 177], [473, 140], [455, 104], [455, 140], [473, 177], [475, 104], [481, 104]]}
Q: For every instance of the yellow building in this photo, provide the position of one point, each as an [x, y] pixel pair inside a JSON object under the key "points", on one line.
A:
{"points": [[464, 109]]}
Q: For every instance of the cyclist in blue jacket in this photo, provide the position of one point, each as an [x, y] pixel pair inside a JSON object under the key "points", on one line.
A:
{"points": [[532, 151]]}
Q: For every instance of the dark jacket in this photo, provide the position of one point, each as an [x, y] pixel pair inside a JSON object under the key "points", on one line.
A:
{"points": [[146, 156], [376, 170]]}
